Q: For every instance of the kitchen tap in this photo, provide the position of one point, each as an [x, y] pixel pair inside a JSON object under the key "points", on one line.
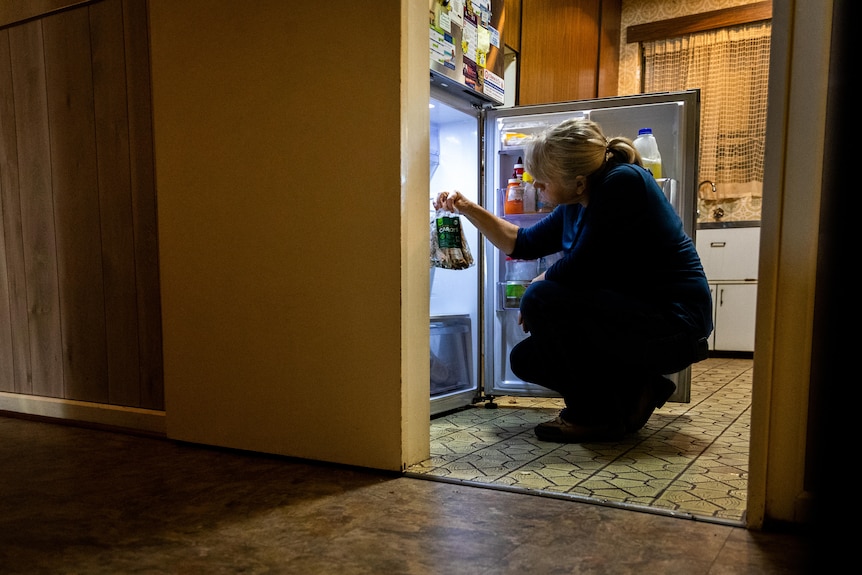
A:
{"points": [[710, 182], [718, 212]]}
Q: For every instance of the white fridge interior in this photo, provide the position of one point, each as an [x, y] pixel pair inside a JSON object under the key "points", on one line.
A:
{"points": [[455, 294]]}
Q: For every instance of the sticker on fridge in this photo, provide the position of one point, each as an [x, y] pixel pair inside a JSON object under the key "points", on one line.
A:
{"points": [[456, 12], [495, 36], [469, 38], [442, 49], [494, 85]]}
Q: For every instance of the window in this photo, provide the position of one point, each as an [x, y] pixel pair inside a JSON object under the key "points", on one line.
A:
{"points": [[730, 66]]}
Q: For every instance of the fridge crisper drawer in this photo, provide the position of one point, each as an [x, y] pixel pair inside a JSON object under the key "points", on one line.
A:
{"points": [[451, 351]]}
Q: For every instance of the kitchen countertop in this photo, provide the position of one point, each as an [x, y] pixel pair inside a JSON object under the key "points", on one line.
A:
{"points": [[724, 225]]}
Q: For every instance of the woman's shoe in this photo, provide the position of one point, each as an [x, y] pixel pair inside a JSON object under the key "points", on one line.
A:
{"points": [[562, 431], [654, 393]]}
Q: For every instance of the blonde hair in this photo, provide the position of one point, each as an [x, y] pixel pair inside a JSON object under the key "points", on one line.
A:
{"points": [[575, 147]]}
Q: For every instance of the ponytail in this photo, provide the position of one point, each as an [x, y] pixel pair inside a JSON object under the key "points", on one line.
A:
{"points": [[622, 150]]}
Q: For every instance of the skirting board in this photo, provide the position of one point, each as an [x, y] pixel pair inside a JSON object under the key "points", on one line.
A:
{"points": [[131, 418]]}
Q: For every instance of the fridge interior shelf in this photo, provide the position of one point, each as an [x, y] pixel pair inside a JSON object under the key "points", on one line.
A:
{"points": [[514, 141], [516, 132]]}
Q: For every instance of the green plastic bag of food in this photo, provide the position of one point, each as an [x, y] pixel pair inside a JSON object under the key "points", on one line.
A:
{"points": [[449, 247]]}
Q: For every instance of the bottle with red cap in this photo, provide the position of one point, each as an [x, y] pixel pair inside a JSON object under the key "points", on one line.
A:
{"points": [[518, 172]]}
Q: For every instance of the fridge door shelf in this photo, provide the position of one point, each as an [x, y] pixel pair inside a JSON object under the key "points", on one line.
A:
{"points": [[509, 296], [525, 219]]}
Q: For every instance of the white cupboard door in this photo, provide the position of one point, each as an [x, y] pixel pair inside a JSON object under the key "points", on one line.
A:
{"points": [[735, 306], [712, 293]]}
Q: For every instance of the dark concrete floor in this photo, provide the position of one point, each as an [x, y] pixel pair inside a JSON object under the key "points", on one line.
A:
{"points": [[86, 501]]}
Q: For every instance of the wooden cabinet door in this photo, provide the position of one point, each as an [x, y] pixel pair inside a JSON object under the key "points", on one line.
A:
{"points": [[569, 50]]}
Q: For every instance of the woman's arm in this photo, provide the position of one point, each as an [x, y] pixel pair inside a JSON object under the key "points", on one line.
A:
{"points": [[499, 232]]}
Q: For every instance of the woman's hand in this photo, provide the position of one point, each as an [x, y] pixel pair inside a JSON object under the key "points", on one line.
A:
{"points": [[498, 231], [538, 278], [452, 201]]}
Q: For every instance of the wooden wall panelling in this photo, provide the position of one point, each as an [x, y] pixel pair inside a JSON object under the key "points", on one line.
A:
{"points": [[38, 340], [79, 282], [115, 201], [144, 207], [559, 50], [74, 170], [11, 289]]}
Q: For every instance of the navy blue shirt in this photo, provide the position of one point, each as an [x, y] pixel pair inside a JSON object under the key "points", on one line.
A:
{"points": [[629, 240]]}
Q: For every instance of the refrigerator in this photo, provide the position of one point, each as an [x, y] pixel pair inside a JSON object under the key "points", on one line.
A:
{"points": [[475, 143]]}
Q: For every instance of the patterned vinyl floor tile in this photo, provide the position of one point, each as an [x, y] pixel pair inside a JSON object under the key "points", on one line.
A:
{"points": [[691, 459]]}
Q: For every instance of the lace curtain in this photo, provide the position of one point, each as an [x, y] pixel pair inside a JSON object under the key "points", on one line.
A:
{"points": [[731, 68]]}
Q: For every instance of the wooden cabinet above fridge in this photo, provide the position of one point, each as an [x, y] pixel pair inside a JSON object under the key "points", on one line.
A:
{"points": [[567, 50]]}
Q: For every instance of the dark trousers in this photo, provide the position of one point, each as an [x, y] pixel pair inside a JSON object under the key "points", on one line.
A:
{"points": [[597, 348]]}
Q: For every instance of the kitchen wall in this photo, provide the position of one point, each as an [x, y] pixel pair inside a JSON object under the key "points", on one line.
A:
{"points": [[643, 11]]}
